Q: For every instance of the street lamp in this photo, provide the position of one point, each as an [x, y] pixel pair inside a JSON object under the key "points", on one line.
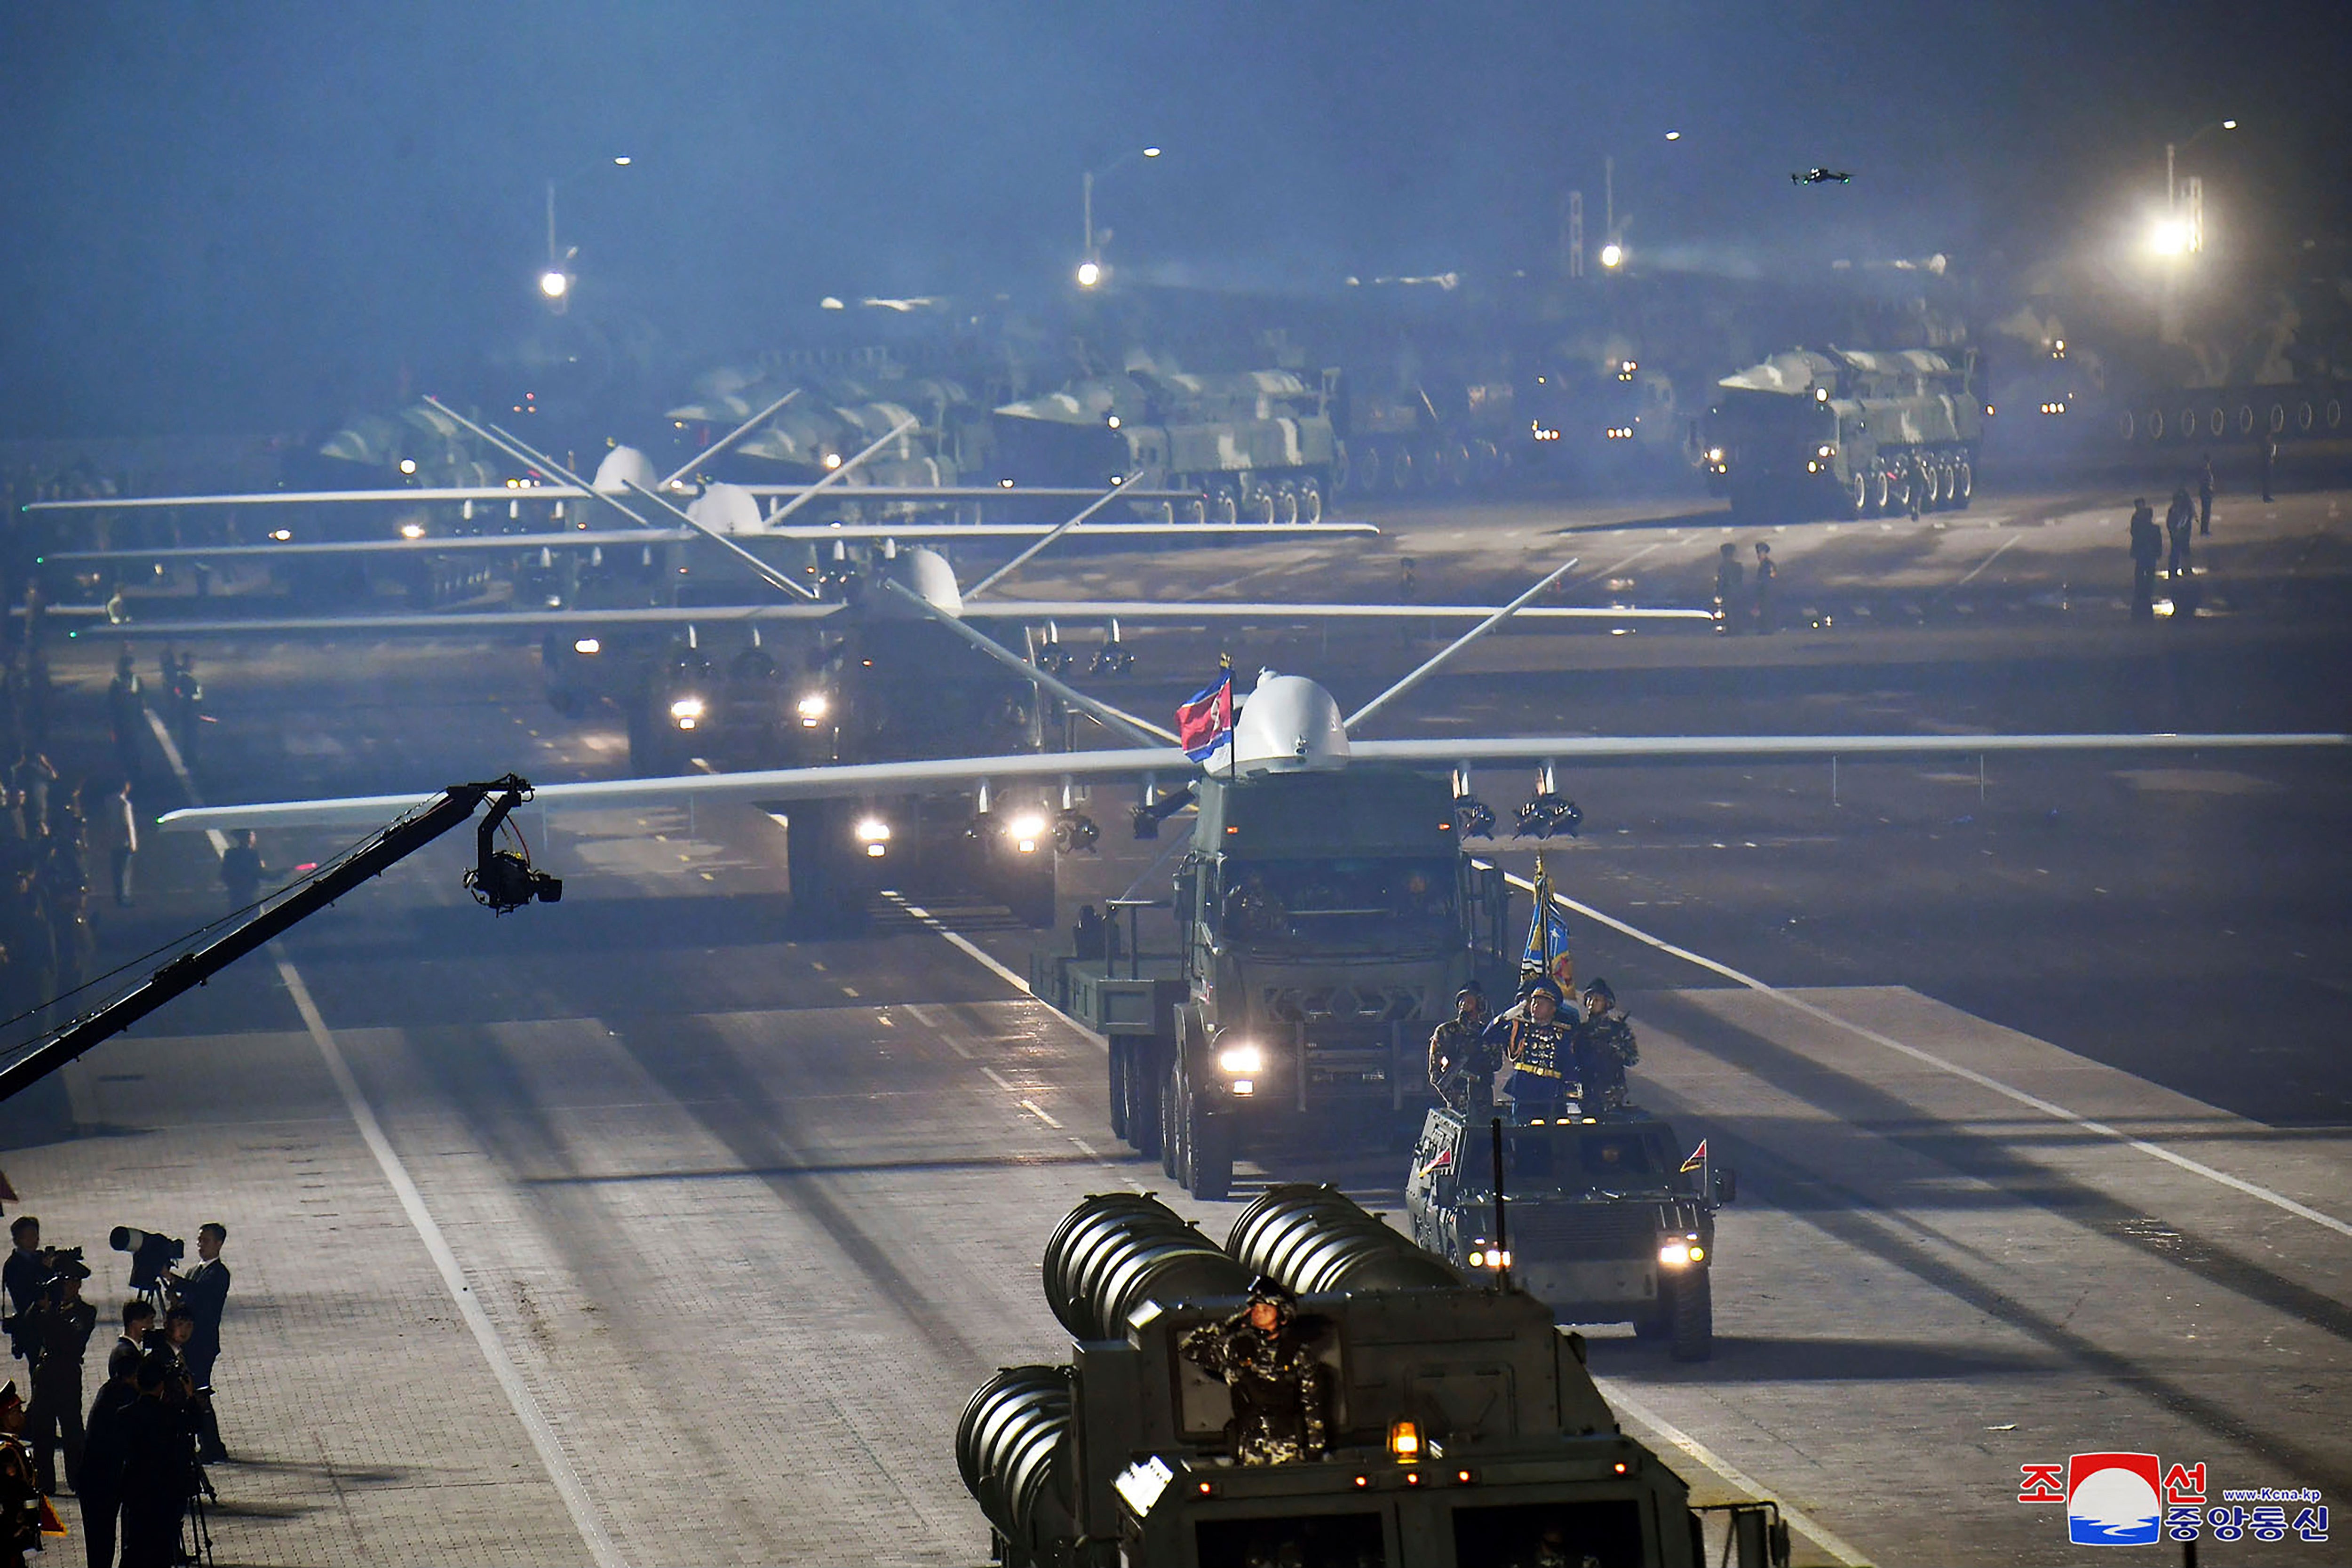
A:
{"points": [[1612, 256], [555, 282], [1090, 270]]}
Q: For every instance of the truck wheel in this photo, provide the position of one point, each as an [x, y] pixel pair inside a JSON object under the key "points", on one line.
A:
{"points": [[1311, 501], [1857, 499], [1144, 1072], [1208, 1155], [1400, 470], [1262, 507], [1694, 1318], [1285, 503], [1222, 505], [1881, 488], [1964, 482], [1122, 1077], [1172, 1127]]}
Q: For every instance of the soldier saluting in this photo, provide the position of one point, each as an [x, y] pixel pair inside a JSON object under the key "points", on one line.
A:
{"points": [[1604, 1048], [1261, 1353], [1461, 1070], [1538, 1049]]}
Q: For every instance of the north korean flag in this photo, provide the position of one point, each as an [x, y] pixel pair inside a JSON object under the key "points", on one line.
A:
{"points": [[1206, 717]]}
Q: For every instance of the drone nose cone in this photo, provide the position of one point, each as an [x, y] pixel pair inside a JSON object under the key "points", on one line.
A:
{"points": [[624, 467], [1289, 724]]}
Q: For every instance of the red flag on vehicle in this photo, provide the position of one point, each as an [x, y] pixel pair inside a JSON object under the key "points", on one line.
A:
{"points": [[1207, 716], [1699, 1157]]}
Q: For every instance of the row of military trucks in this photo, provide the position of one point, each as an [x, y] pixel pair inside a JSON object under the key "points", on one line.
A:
{"points": [[1323, 923], [1845, 432]]}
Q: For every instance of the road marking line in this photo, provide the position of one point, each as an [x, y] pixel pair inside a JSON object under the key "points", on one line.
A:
{"points": [[1929, 1058], [999, 1079], [971, 951], [1607, 572], [1032, 1107], [1614, 1392], [543, 1435], [1988, 561]]}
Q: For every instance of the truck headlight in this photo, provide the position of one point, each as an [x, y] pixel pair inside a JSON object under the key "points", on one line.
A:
{"points": [[1490, 1258], [1024, 831], [587, 646], [1682, 1253], [1714, 454], [411, 530], [686, 712], [1245, 1061], [1825, 451], [873, 830], [813, 709]]}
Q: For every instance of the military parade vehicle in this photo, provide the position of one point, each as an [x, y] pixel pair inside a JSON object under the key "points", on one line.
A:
{"points": [[1845, 432], [1324, 923], [1257, 444], [1600, 1217], [1318, 1391]]}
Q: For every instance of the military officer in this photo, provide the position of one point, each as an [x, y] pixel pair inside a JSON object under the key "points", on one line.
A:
{"points": [[1537, 1049], [1604, 1048], [1278, 1388], [1460, 1068], [21, 1503]]}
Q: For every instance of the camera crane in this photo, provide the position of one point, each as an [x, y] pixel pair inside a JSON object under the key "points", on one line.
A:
{"points": [[502, 880]]}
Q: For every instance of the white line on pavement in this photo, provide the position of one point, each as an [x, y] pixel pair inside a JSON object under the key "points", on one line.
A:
{"points": [[1614, 1392], [962, 943], [1988, 561], [1929, 1058], [566, 1480]]}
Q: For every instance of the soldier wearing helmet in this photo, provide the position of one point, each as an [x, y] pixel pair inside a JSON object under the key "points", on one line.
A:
{"points": [[1280, 1392], [1461, 1066]]}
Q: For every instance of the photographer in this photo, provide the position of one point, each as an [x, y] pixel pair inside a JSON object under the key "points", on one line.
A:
{"points": [[157, 1472], [56, 1332], [203, 1292]]}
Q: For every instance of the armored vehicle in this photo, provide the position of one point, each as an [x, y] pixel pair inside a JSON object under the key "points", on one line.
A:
{"points": [[1257, 444], [1324, 921], [1446, 1424], [1600, 1219], [1845, 432]]}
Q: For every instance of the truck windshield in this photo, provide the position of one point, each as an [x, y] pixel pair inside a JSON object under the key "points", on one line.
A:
{"points": [[1403, 904], [1583, 1158]]}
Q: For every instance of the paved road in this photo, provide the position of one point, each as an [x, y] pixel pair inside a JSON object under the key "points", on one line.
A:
{"points": [[637, 1228]]}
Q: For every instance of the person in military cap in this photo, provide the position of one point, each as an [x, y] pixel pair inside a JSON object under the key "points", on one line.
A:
{"points": [[1461, 1068], [1537, 1049], [21, 1503], [1604, 1049], [1279, 1391], [58, 1333]]}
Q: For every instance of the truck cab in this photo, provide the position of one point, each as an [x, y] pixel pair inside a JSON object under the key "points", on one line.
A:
{"points": [[1599, 1219]]}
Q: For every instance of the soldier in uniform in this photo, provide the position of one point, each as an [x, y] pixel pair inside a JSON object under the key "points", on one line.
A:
{"points": [[1460, 1068], [1538, 1050], [1604, 1048], [24, 1276], [1278, 1388], [21, 1503], [57, 1332], [2146, 549]]}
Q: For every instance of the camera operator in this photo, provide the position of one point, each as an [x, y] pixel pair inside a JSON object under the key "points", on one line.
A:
{"points": [[203, 1292], [56, 1332], [23, 1275], [137, 1322], [158, 1472]]}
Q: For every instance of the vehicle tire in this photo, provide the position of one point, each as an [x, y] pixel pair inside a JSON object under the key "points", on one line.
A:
{"points": [[1339, 468], [1692, 1318], [1286, 502], [1458, 474], [1224, 507], [1857, 497], [1026, 884], [1964, 482], [1171, 1126], [1145, 1068], [1882, 487], [1311, 501], [1262, 507], [1934, 497], [1208, 1155], [1196, 511], [1122, 1083], [1366, 472], [1401, 475]]}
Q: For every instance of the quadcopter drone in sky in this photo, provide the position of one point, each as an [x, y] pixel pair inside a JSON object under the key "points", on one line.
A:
{"points": [[1820, 177]]}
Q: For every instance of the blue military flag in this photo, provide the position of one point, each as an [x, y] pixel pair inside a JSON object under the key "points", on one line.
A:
{"points": [[1545, 953]]}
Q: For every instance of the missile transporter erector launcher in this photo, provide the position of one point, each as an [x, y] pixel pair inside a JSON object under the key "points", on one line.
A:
{"points": [[1845, 432], [1449, 1423], [1324, 921]]}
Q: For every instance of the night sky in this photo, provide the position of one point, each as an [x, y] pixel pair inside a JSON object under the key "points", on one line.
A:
{"points": [[242, 216]]}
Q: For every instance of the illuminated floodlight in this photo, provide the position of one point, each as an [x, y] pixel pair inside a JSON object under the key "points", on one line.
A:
{"points": [[554, 283], [623, 162], [1674, 135], [833, 460], [1089, 274], [1613, 255], [2169, 236], [411, 530], [1154, 152], [407, 464]]}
